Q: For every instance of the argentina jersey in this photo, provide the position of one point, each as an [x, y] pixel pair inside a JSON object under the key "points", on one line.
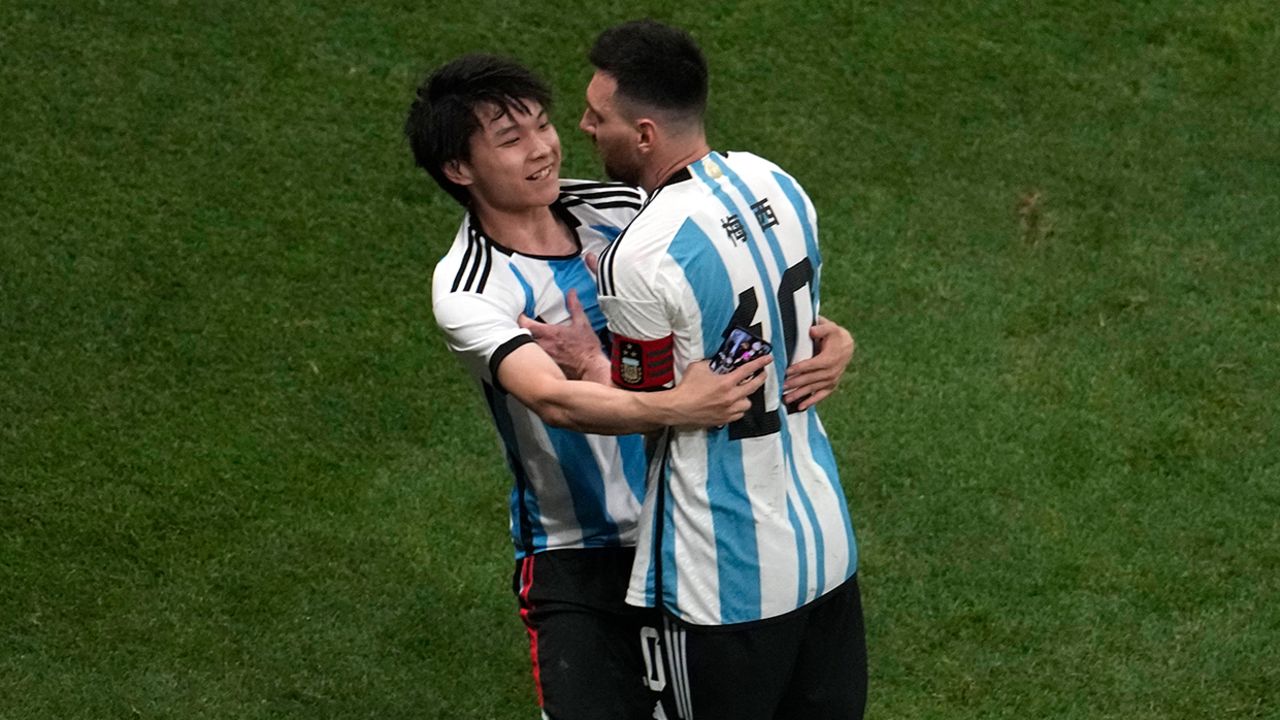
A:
{"points": [[571, 490], [748, 521]]}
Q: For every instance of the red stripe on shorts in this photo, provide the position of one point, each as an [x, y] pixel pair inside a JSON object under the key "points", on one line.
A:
{"points": [[526, 582]]}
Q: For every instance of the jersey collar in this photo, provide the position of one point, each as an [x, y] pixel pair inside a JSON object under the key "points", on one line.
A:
{"points": [[558, 209]]}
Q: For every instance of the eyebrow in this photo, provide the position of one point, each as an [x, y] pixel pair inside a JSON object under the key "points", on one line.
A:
{"points": [[502, 123], [510, 123]]}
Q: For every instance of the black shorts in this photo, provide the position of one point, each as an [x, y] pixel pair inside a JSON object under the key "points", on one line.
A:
{"points": [[810, 664], [594, 656]]}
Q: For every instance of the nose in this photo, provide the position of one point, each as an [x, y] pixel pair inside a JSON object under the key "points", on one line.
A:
{"points": [[540, 146], [586, 125]]}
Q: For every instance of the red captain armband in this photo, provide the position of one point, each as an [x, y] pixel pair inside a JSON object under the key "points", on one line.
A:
{"points": [[642, 364]]}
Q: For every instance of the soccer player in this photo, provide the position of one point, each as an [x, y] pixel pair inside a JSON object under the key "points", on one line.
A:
{"points": [[479, 127], [745, 538]]}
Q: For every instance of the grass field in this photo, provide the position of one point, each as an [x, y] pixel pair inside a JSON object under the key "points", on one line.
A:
{"points": [[241, 477]]}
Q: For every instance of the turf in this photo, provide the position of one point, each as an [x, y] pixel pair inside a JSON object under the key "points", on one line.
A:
{"points": [[240, 476]]}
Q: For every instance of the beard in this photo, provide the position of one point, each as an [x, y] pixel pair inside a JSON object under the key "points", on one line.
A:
{"points": [[623, 170]]}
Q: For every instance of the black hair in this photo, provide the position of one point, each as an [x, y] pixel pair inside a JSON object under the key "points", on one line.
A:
{"points": [[655, 64], [442, 117]]}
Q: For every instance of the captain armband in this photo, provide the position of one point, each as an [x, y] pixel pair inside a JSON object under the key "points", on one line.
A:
{"points": [[643, 364]]}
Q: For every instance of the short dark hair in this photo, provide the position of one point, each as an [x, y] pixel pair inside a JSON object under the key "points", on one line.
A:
{"points": [[654, 64], [442, 117]]}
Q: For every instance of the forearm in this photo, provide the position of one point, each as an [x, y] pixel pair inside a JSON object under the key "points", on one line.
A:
{"points": [[702, 399], [588, 406]]}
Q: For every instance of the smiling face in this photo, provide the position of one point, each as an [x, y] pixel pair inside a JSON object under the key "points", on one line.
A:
{"points": [[515, 158], [616, 137]]}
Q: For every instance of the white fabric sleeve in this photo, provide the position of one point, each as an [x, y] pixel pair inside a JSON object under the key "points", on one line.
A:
{"points": [[638, 308], [480, 329]]}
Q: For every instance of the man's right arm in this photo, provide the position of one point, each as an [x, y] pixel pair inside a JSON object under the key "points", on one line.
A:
{"points": [[702, 399], [482, 331]]}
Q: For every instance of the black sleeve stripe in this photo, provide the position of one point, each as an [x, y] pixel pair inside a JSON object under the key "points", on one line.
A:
{"points": [[595, 194], [613, 286], [576, 186], [488, 265], [501, 354], [606, 268], [633, 204], [466, 259], [605, 276], [602, 265], [483, 257]]}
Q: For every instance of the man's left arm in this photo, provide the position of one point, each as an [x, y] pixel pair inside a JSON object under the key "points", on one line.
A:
{"points": [[811, 381]]}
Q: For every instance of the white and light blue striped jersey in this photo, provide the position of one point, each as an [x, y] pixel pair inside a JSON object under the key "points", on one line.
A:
{"points": [[571, 490], [748, 521]]}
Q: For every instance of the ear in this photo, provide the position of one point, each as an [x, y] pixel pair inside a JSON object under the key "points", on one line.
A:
{"points": [[458, 172], [647, 134]]}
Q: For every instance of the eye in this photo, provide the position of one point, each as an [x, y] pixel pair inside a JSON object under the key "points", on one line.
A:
{"points": [[510, 142]]}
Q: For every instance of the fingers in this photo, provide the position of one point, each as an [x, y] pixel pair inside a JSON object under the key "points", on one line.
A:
{"points": [[801, 374], [812, 400], [593, 262], [809, 375], [750, 367], [576, 313], [534, 327], [811, 381], [834, 347], [828, 332], [539, 330], [820, 330], [754, 383], [698, 367], [806, 395], [803, 395]]}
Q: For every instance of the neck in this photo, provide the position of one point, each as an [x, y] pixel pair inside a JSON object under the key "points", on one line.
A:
{"points": [[529, 231], [679, 156]]}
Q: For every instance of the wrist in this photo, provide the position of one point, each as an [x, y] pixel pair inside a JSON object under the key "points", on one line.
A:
{"points": [[663, 407], [596, 368]]}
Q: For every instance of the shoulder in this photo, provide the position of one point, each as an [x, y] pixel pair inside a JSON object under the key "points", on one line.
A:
{"points": [[749, 160], [473, 263], [464, 254], [639, 262], [668, 210], [473, 268], [752, 165], [764, 170]]}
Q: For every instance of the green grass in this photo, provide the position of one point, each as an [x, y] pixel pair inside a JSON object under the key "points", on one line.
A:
{"points": [[240, 476]]}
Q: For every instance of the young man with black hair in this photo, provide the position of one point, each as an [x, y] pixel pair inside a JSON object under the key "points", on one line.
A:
{"points": [[479, 126], [745, 538]]}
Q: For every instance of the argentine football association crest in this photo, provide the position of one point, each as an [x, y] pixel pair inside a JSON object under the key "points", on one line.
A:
{"points": [[642, 364], [630, 366]]}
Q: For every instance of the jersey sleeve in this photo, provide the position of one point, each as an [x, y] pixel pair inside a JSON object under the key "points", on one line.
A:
{"points": [[636, 302], [481, 330]]}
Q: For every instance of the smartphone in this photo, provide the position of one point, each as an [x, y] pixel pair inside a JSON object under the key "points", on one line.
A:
{"points": [[739, 346]]}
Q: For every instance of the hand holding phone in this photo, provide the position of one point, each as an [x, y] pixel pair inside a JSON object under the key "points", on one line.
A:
{"points": [[739, 346]]}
